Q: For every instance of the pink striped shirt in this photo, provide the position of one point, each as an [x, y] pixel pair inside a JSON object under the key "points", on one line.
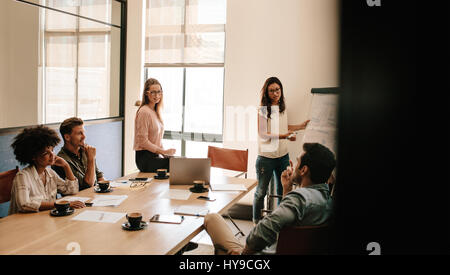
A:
{"points": [[148, 130]]}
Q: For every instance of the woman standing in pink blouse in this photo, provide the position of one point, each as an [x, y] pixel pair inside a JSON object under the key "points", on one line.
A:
{"points": [[149, 130]]}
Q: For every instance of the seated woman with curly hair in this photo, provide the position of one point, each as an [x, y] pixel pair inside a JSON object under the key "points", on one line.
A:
{"points": [[34, 188]]}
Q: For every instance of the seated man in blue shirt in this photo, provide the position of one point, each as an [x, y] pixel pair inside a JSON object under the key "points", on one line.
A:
{"points": [[309, 204]]}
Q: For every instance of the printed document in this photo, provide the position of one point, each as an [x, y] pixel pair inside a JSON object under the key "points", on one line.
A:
{"points": [[99, 216]]}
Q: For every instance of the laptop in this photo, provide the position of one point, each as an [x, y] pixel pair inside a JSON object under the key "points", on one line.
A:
{"points": [[183, 171]]}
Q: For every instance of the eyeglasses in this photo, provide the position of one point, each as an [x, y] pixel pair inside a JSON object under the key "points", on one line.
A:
{"points": [[156, 92], [275, 90], [136, 184]]}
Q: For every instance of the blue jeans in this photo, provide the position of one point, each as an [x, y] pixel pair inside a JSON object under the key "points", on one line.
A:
{"points": [[265, 169]]}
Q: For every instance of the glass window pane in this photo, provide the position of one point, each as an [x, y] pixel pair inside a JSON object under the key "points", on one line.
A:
{"points": [[171, 80], [93, 76], [207, 12], [96, 9], [100, 10], [57, 21], [204, 100], [172, 144], [205, 47], [165, 12], [60, 74], [172, 38], [195, 149], [60, 92]]}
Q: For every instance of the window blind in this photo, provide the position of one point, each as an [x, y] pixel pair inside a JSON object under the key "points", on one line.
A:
{"points": [[185, 32]]}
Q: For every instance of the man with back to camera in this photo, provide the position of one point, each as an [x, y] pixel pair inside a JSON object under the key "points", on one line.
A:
{"points": [[79, 155], [309, 204]]}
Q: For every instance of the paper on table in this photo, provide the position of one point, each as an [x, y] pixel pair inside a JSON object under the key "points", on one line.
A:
{"points": [[108, 200], [83, 199], [191, 210], [228, 187], [176, 194], [99, 216], [118, 183]]}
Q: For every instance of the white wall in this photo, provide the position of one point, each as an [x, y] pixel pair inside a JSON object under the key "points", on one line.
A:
{"points": [[295, 40], [19, 61], [3, 60]]}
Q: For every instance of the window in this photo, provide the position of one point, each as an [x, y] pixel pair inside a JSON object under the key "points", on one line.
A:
{"points": [[185, 47], [79, 77]]}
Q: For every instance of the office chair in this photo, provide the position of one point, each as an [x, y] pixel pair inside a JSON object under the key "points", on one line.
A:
{"points": [[230, 159], [6, 181], [269, 202], [305, 240], [270, 198]]}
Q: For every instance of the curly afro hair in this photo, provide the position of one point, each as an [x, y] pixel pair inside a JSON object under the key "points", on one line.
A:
{"points": [[33, 141]]}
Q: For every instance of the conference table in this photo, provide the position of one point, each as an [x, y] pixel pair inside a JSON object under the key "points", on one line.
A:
{"points": [[41, 233]]}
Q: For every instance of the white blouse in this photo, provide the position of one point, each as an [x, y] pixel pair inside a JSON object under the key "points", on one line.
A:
{"points": [[28, 190], [277, 124]]}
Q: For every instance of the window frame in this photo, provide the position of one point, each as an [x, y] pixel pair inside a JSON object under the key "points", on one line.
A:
{"points": [[45, 34], [182, 135]]}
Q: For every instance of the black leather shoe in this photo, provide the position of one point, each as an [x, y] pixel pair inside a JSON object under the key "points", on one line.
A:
{"points": [[190, 246]]}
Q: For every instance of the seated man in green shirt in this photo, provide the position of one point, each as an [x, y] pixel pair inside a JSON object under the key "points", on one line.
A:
{"points": [[79, 155], [308, 204]]}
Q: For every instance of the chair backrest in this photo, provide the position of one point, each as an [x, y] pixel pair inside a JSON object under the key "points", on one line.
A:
{"points": [[304, 240], [6, 180], [230, 159]]}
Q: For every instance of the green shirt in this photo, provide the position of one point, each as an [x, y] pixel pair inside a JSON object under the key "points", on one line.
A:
{"points": [[78, 165], [310, 205]]}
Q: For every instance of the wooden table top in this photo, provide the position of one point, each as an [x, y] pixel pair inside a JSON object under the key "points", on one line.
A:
{"points": [[40, 233]]}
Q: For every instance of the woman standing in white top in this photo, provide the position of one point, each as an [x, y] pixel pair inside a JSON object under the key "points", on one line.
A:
{"points": [[34, 188], [273, 134], [149, 130]]}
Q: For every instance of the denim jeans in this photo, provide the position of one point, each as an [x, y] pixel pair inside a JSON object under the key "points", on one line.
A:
{"points": [[265, 169]]}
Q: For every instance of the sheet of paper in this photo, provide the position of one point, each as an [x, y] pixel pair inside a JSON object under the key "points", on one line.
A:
{"points": [[99, 216], [108, 200], [323, 125], [118, 183], [228, 187], [83, 199], [176, 194], [191, 210]]}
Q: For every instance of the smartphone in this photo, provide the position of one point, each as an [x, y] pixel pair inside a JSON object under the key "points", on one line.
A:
{"points": [[167, 219], [205, 198], [139, 179]]}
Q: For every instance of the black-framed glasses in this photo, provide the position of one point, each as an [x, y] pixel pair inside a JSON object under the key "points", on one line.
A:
{"points": [[136, 184], [275, 90]]}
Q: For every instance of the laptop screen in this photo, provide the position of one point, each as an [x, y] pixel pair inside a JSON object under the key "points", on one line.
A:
{"points": [[184, 171]]}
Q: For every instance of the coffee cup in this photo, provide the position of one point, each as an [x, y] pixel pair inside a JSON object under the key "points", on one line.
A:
{"points": [[104, 185], [199, 184], [134, 219], [62, 206], [161, 173]]}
